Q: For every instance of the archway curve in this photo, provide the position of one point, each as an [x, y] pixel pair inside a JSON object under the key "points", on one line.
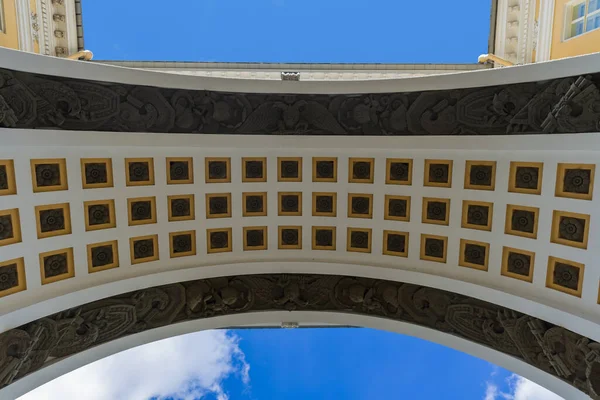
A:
{"points": [[274, 317], [49, 343], [551, 313]]}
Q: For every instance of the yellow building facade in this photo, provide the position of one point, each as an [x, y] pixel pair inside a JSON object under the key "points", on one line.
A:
{"points": [[49, 27], [525, 31]]}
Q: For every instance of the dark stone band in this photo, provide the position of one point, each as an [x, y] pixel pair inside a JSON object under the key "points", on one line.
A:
{"points": [[564, 105], [553, 349]]}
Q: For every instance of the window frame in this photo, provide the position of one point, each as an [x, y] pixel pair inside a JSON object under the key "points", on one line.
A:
{"points": [[569, 21]]}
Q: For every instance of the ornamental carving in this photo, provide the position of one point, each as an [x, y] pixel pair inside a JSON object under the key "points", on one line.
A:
{"points": [[141, 210], [102, 255], [182, 243], [47, 174], [6, 227], [96, 173], [523, 221], [571, 228], [180, 207], [527, 177], [55, 265], [478, 215], [398, 207], [519, 263], [9, 277], [399, 171], [436, 210], [290, 203], [143, 248], [99, 214], [577, 181], [566, 105], [566, 275], [52, 220], [550, 348], [179, 170]]}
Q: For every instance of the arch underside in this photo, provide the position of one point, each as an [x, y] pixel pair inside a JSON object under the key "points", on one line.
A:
{"points": [[555, 350]]}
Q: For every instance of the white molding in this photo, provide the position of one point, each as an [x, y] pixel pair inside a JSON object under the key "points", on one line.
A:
{"points": [[26, 42], [71, 27], [45, 21], [501, 21], [546, 23]]}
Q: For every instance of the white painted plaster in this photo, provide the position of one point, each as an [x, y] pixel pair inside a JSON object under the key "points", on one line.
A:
{"points": [[579, 314], [28, 62]]}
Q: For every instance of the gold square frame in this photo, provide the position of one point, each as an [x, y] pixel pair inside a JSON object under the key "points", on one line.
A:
{"points": [[9, 166], [66, 209], [425, 257], [465, 215], [386, 212], [555, 233], [281, 245], [264, 230], [154, 257], [263, 160], [112, 223], [353, 160], [70, 266], [208, 160], [469, 165], [190, 198], [190, 161], [246, 213], [388, 166], [349, 246], [561, 169], [316, 213], [130, 201], [280, 211], [150, 181], [115, 250], [280, 178], [364, 216], [461, 256], [504, 270], [552, 261], [426, 201], [21, 279], [13, 213], [227, 249], [316, 160], [109, 173], [192, 252], [62, 167], [428, 164], [388, 252], [209, 196], [315, 246], [507, 223], [512, 178]]}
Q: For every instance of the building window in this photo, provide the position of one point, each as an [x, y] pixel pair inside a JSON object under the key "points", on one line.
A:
{"points": [[583, 16]]}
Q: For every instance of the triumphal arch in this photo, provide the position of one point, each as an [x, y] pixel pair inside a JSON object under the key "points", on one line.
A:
{"points": [[460, 208]]}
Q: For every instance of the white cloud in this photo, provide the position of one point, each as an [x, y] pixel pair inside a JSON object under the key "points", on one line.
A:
{"points": [[491, 391], [520, 389], [185, 367]]}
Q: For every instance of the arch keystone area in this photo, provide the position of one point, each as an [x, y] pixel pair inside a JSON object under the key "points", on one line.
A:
{"points": [[461, 209]]}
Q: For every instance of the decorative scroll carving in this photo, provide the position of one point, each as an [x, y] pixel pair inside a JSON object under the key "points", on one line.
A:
{"points": [[567, 105], [553, 349]]}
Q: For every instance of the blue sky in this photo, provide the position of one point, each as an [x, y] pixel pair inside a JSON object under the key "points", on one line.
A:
{"points": [[385, 31], [304, 363]]}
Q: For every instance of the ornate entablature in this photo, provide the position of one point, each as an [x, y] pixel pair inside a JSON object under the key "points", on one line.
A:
{"points": [[54, 27], [565, 105], [553, 349]]}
